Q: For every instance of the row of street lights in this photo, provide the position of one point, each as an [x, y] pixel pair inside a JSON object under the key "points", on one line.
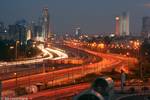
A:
{"points": [[16, 47]]}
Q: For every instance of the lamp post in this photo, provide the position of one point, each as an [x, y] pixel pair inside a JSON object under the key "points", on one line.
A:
{"points": [[44, 70], [137, 46], [16, 56], [11, 48], [29, 78], [53, 68], [123, 79], [16, 78], [128, 57], [140, 65], [0, 89]]}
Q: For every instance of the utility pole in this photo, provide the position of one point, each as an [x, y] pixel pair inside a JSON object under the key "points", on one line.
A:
{"points": [[0, 89], [16, 80], [16, 52], [123, 79], [141, 70], [43, 67]]}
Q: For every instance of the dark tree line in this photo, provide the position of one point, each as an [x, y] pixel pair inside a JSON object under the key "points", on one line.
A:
{"points": [[8, 50], [145, 50]]}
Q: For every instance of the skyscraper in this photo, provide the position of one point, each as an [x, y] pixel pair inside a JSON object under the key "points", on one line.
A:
{"points": [[2, 28], [29, 32], [77, 32], [117, 30], [18, 31], [38, 33], [21, 29], [146, 27], [45, 24], [124, 24], [37, 30], [3, 31]]}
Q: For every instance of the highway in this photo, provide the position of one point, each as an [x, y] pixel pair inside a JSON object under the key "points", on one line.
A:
{"points": [[65, 76], [28, 64], [67, 93], [47, 54], [60, 62], [58, 93], [61, 75]]}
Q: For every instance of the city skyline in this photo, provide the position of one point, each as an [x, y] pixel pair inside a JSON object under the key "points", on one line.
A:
{"points": [[92, 16], [75, 49]]}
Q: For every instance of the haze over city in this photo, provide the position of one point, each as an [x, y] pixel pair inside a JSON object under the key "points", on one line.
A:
{"points": [[93, 16], [74, 50]]}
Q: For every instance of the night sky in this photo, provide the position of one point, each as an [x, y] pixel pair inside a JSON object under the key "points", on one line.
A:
{"points": [[93, 16]]}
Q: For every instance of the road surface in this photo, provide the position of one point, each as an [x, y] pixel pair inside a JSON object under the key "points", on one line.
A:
{"points": [[65, 76]]}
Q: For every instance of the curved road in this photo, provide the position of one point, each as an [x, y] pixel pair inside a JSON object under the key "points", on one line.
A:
{"points": [[66, 75]]}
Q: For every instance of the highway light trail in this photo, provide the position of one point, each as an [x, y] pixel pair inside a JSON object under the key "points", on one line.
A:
{"points": [[108, 62], [59, 53], [69, 75], [47, 54]]}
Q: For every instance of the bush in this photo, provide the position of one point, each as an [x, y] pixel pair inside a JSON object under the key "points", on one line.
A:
{"points": [[144, 88], [20, 91], [131, 89]]}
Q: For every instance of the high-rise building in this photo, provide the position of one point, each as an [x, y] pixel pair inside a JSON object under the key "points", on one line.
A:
{"points": [[146, 27], [117, 30], [12, 30], [29, 33], [45, 24], [31, 27], [2, 28], [77, 32], [21, 26], [3, 31], [124, 24], [38, 33], [18, 31]]}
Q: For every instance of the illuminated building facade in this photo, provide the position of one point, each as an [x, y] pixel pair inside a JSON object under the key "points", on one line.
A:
{"points": [[124, 24], [21, 31], [38, 33], [3, 31], [77, 32], [2, 27], [28, 34], [117, 30], [45, 24], [146, 27], [18, 31]]}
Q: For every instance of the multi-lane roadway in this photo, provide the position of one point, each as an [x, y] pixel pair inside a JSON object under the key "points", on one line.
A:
{"points": [[47, 54], [7, 69], [64, 76]]}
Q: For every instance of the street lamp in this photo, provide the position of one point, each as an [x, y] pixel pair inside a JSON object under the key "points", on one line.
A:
{"points": [[44, 70], [11, 47], [127, 54], [11, 54], [53, 68], [0, 88], [137, 46], [16, 56], [15, 74]]}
